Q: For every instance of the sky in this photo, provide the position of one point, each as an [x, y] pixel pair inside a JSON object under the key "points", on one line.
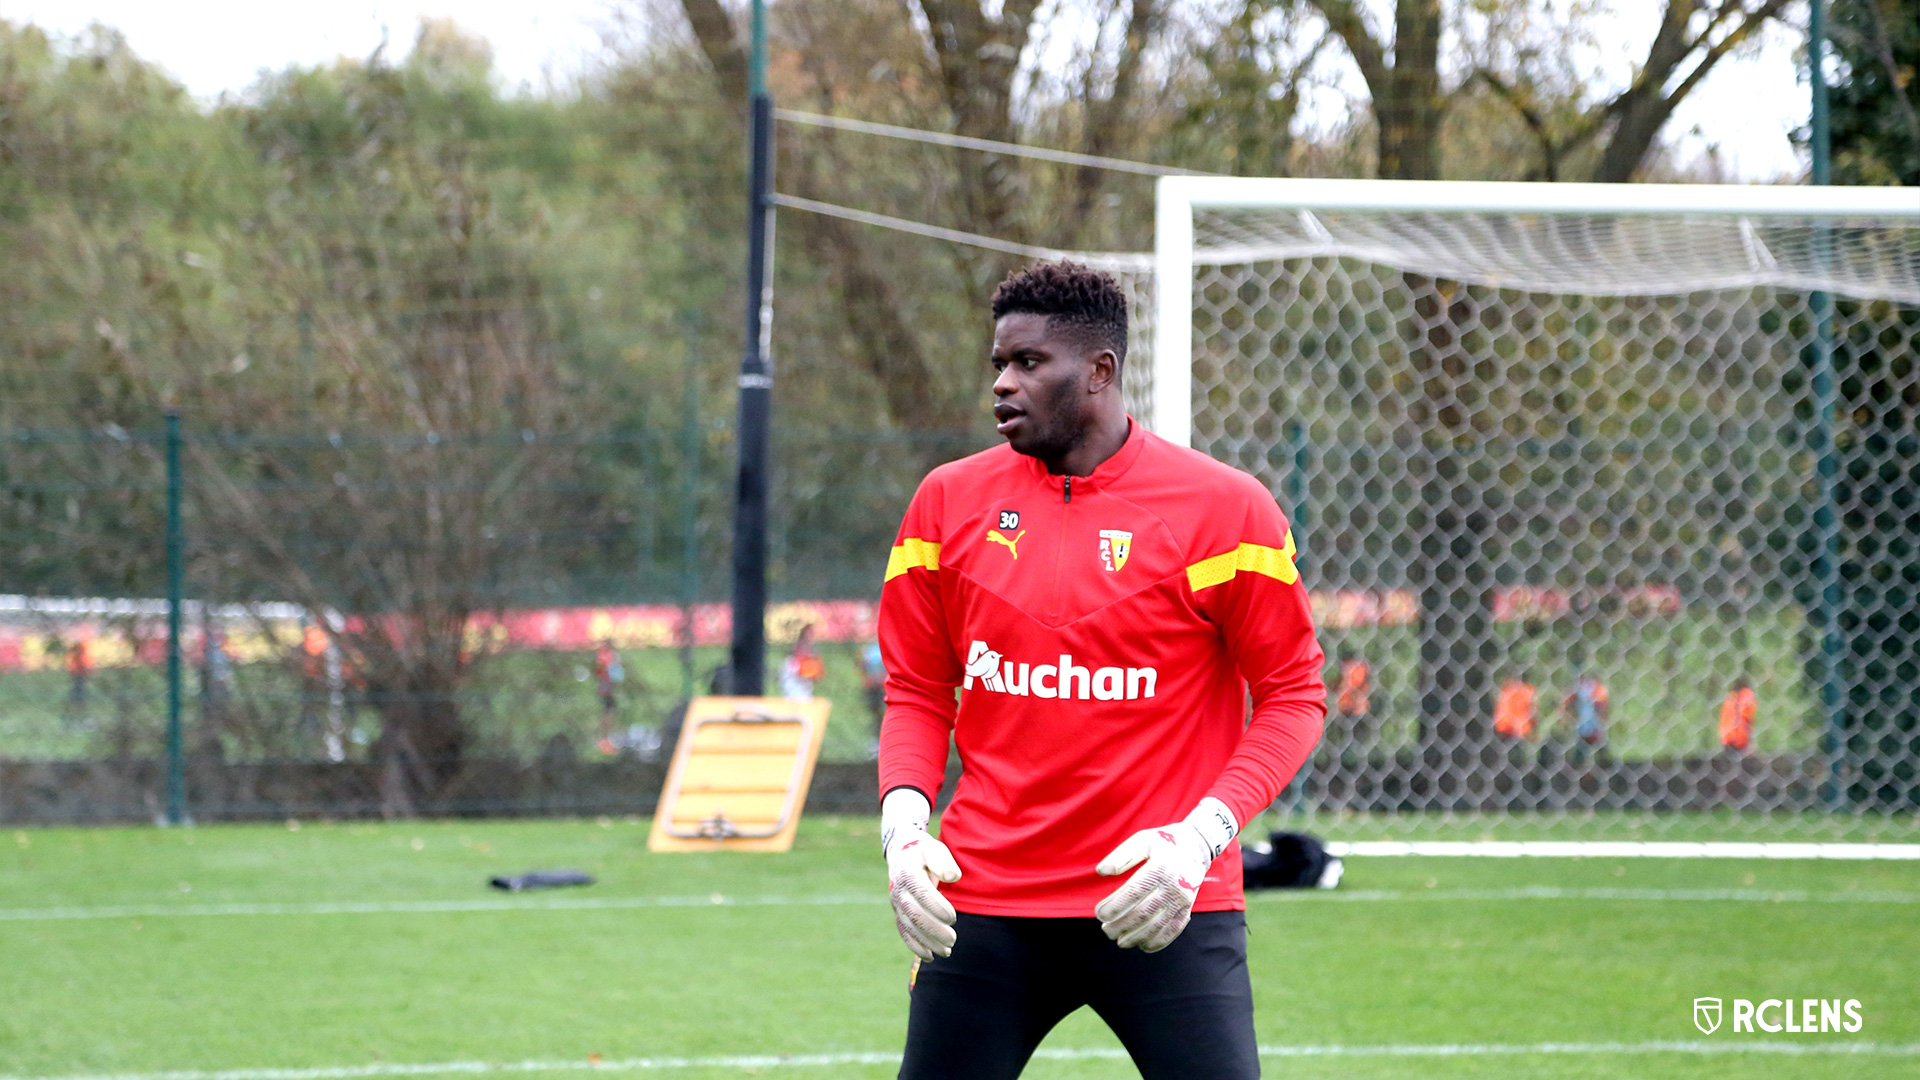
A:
{"points": [[1744, 109], [222, 45]]}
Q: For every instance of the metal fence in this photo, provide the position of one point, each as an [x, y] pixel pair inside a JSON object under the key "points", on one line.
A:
{"points": [[384, 624]]}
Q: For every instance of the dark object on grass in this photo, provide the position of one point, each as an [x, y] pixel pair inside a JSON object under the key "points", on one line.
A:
{"points": [[1289, 861], [541, 879]]}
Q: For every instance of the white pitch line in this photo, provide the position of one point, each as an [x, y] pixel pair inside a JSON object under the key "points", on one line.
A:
{"points": [[1695, 1046], [1550, 892], [774, 1061], [624, 903], [1622, 849], [415, 907]]}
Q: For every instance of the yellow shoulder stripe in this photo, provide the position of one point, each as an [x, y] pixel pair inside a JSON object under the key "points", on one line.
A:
{"points": [[910, 553], [1276, 563]]}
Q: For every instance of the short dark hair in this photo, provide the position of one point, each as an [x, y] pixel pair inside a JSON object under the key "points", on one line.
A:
{"points": [[1080, 300]]}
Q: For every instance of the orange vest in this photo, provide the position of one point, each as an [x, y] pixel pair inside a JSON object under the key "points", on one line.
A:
{"points": [[1354, 687], [808, 665], [1736, 718], [313, 647], [1513, 714]]}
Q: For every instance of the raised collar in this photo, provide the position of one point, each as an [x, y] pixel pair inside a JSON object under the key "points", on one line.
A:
{"points": [[1105, 473]]}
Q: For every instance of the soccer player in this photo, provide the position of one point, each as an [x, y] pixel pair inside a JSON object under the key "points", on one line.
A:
{"points": [[1103, 602]]}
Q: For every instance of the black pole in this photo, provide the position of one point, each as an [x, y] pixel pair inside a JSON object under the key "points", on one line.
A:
{"points": [[748, 662], [176, 748]]}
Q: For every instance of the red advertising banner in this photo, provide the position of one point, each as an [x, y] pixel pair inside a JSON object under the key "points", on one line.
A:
{"points": [[44, 640], [42, 635]]}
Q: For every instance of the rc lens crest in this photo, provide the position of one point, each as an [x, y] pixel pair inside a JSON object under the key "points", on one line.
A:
{"points": [[1115, 546]]}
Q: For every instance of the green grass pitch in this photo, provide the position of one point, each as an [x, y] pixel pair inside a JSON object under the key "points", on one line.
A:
{"points": [[329, 947]]}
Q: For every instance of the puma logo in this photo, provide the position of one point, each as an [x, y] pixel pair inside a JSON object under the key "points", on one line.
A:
{"points": [[995, 536]]}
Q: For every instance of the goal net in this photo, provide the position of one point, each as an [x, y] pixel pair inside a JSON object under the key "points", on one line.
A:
{"points": [[1608, 497]]}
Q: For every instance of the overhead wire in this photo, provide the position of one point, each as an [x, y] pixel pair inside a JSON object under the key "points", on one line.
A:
{"points": [[994, 146], [1105, 260]]}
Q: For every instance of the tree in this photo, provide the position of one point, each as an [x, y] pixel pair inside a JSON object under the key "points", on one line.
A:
{"points": [[368, 364], [435, 368], [1875, 98], [91, 141], [1247, 90], [1404, 80], [974, 55], [946, 65], [876, 315]]}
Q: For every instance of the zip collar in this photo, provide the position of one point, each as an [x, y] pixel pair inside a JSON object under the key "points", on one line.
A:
{"points": [[1067, 488]]}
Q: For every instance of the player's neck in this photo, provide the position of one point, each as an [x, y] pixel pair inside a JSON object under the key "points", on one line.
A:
{"points": [[1103, 439]]}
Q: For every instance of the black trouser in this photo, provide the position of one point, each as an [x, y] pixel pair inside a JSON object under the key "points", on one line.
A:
{"points": [[1185, 1011]]}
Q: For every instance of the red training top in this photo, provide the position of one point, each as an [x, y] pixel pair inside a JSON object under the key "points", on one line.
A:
{"points": [[1104, 632]]}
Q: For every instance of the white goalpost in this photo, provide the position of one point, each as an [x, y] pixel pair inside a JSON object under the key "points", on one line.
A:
{"points": [[1571, 465]]}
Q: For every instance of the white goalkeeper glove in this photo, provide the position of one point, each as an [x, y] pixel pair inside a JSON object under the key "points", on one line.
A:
{"points": [[915, 862], [1151, 909]]}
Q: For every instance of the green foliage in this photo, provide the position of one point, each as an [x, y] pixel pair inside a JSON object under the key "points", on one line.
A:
{"points": [[371, 291], [1240, 108], [1874, 101], [287, 265]]}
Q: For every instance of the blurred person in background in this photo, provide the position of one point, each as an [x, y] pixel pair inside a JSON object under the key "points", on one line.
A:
{"points": [[219, 662], [802, 668], [1353, 702], [313, 676], [1737, 712], [1587, 705], [608, 672], [216, 691], [873, 687], [79, 668], [1513, 711]]}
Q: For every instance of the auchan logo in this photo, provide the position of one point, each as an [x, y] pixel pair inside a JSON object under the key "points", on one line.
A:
{"points": [[1065, 679]]}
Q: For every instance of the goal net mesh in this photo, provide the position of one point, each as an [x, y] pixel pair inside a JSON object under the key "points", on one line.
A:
{"points": [[1608, 516]]}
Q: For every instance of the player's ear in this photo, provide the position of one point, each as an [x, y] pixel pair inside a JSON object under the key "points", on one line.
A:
{"points": [[1103, 370]]}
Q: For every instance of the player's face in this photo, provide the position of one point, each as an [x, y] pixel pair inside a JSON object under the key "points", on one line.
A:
{"points": [[1041, 398]]}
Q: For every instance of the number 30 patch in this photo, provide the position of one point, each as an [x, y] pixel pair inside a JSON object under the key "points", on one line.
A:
{"points": [[1009, 519]]}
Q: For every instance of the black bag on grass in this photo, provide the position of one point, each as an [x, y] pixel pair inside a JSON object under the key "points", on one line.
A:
{"points": [[541, 879], [1289, 861]]}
